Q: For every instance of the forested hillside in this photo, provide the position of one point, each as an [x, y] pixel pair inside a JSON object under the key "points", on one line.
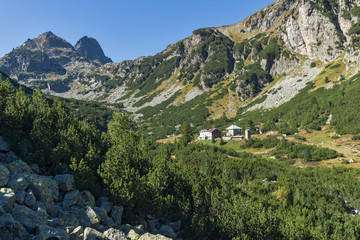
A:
{"points": [[217, 192]]}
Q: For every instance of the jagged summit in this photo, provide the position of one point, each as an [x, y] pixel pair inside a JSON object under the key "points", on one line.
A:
{"points": [[49, 40], [51, 62], [90, 48]]}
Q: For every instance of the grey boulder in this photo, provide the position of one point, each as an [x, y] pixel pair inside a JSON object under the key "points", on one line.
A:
{"points": [[17, 182], [149, 236], [104, 203], [10, 228], [44, 232], [4, 146], [87, 217], [30, 199], [87, 199], [28, 218], [20, 196], [116, 214], [7, 198], [66, 182], [114, 234], [18, 166], [92, 234], [4, 175], [45, 189], [167, 231], [71, 198]]}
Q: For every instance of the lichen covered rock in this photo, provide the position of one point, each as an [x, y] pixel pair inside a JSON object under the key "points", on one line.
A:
{"points": [[167, 231], [10, 228], [105, 203], [114, 234], [87, 217], [28, 218], [149, 236], [7, 198], [44, 232], [92, 234], [30, 199], [17, 182], [71, 198], [116, 214], [20, 196], [18, 166], [87, 199], [4, 175], [66, 182]]}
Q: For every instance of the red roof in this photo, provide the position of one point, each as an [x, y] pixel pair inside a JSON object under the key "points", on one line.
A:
{"points": [[209, 130]]}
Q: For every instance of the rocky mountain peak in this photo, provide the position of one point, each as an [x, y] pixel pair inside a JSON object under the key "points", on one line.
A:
{"points": [[48, 40], [90, 48]]}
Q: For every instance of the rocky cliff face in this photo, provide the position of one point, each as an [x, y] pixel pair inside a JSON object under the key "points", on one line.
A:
{"points": [[90, 48], [34, 206], [51, 62]]}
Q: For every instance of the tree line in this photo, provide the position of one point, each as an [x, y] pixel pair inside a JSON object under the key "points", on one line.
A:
{"points": [[218, 193]]}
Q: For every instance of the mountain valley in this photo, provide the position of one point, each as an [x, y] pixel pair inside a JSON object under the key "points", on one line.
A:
{"points": [[270, 55], [126, 133]]}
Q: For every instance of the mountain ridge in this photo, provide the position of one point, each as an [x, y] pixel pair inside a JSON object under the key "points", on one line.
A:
{"points": [[51, 62], [271, 55]]}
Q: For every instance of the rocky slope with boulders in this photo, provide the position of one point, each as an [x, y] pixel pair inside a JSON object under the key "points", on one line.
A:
{"points": [[38, 207]]}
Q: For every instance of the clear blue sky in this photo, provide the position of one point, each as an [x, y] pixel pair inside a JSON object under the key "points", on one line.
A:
{"points": [[126, 29]]}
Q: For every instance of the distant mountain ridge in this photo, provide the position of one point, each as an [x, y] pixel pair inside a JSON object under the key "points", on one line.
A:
{"points": [[51, 62]]}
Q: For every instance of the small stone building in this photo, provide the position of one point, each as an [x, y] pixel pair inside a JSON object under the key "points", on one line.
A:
{"points": [[233, 130], [207, 134], [247, 134]]}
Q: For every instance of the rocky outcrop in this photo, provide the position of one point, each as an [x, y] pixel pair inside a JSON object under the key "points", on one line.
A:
{"points": [[90, 48], [43, 207], [51, 62]]}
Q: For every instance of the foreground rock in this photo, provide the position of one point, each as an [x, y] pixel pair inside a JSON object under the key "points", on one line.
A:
{"points": [[42, 207], [7, 198], [149, 236], [4, 175], [10, 228]]}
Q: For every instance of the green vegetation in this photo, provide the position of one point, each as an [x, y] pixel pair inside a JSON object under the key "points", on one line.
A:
{"points": [[354, 31], [216, 192], [93, 112], [347, 15], [310, 110], [355, 11], [305, 152], [153, 70], [255, 77], [242, 49], [268, 142], [289, 150], [272, 51], [298, 137], [330, 8], [194, 111], [220, 62]]}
